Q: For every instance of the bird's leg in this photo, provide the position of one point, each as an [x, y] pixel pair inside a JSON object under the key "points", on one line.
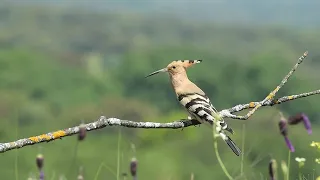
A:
{"points": [[188, 122], [183, 121], [190, 117]]}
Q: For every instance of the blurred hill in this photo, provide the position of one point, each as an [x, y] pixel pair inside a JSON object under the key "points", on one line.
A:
{"points": [[61, 64], [296, 13]]}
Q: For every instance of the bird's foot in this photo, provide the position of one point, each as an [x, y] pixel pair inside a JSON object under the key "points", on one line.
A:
{"points": [[189, 122], [183, 121], [190, 118]]}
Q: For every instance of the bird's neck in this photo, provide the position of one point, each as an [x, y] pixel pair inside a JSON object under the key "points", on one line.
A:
{"points": [[179, 80]]}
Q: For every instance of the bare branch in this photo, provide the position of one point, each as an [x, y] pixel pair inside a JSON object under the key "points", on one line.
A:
{"points": [[101, 123], [105, 122], [274, 92], [240, 107]]}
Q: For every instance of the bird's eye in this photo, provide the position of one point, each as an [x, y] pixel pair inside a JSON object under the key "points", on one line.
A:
{"points": [[173, 67]]}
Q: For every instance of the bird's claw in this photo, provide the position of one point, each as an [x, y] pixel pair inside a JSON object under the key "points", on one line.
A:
{"points": [[181, 121]]}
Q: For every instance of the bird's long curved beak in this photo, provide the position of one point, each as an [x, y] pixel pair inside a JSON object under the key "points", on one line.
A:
{"points": [[156, 72]]}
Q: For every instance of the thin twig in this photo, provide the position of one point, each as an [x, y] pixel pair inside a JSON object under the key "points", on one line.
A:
{"points": [[105, 122], [274, 92], [283, 99]]}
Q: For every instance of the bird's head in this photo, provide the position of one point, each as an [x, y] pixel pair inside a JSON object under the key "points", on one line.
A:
{"points": [[176, 67]]}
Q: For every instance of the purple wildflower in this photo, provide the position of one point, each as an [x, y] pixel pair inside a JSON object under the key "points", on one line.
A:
{"points": [[306, 123], [301, 117], [283, 126], [41, 177], [289, 144]]}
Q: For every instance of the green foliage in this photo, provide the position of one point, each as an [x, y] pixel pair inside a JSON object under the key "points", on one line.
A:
{"points": [[64, 67]]}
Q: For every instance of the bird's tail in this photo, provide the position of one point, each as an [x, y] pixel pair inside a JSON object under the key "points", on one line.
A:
{"points": [[232, 145]]}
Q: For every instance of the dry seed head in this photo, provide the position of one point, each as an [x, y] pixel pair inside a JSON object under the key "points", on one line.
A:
{"points": [[272, 168], [284, 168], [39, 161], [82, 132], [133, 167]]}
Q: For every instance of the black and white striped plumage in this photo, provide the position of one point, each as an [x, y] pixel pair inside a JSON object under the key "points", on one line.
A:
{"points": [[194, 99], [200, 108]]}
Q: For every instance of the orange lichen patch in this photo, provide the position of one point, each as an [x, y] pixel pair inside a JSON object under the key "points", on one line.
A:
{"points": [[45, 136], [276, 101], [290, 97], [34, 139], [257, 106], [251, 104], [58, 134], [270, 96]]}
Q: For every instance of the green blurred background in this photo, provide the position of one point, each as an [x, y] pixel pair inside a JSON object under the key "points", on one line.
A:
{"points": [[67, 62]]}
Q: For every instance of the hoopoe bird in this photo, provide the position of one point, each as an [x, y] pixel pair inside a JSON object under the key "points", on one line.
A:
{"points": [[195, 101]]}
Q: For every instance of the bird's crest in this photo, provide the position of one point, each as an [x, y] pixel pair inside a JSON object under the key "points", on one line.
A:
{"points": [[184, 63], [176, 66]]}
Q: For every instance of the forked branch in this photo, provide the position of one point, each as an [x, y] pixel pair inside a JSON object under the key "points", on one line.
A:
{"points": [[105, 122], [274, 92]]}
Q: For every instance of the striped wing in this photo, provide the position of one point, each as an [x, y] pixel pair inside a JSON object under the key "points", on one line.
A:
{"points": [[200, 107]]}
